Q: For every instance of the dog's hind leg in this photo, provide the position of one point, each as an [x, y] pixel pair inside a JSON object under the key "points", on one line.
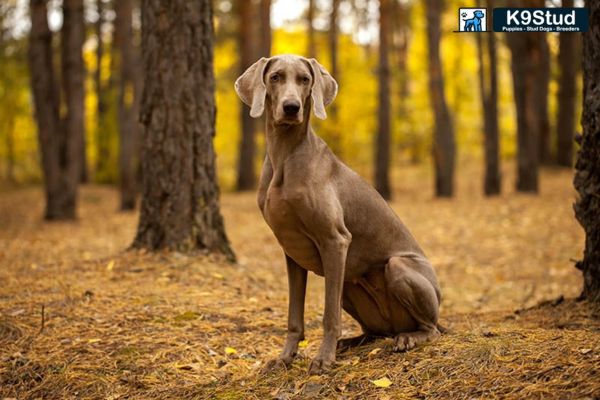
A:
{"points": [[413, 289]]}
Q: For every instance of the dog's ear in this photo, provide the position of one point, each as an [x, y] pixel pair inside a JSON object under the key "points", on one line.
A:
{"points": [[251, 87], [324, 88]]}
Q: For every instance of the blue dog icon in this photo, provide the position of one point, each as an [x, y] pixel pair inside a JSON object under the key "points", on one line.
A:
{"points": [[473, 24]]}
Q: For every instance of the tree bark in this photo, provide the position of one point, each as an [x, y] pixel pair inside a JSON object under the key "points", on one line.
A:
{"points": [[310, 16], [128, 104], [73, 75], [543, 83], [488, 81], [525, 63], [587, 175], [382, 148], [265, 31], [567, 86], [60, 188], [336, 140], [246, 178], [180, 199], [102, 140], [443, 141]]}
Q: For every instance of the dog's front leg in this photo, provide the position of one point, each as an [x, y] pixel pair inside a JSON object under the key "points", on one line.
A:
{"points": [[333, 257], [295, 329]]}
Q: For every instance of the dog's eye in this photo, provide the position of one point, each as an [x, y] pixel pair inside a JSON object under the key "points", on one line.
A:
{"points": [[274, 78], [305, 80]]}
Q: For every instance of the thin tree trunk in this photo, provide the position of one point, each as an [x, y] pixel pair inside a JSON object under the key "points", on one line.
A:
{"points": [[246, 179], [180, 201], [382, 149], [73, 73], [402, 29], [443, 141], [543, 83], [524, 64], [73, 76], [488, 81], [310, 16], [336, 140], [565, 122], [10, 151], [265, 31], [587, 176], [128, 108], [46, 104], [101, 130]]}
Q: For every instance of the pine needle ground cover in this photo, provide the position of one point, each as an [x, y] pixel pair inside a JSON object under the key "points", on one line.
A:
{"points": [[80, 317]]}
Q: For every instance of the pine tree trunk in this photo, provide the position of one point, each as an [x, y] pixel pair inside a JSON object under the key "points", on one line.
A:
{"points": [[46, 103], [73, 74], [565, 122], [128, 104], [488, 81], [443, 140], [587, 175], [543, 83], [382, 149], [246, 178], [336, 140], [525, 67], [180, 199], [310, 16], [265, 31]]}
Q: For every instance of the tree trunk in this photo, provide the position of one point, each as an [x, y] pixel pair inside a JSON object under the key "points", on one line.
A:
{"points": [[46, 104], [246, 179], [443, 140], [180, 199], [310, 16], [488, 81], [587, 175], [402, 30], [543, 83], [128, 104], [336, 140], [265, 31], [73, 75], [102, 140], [382, 149], [10, 150], [567, 86]]}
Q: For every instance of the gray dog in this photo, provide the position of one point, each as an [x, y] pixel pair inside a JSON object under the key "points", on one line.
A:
{"points": [[331, 222]]}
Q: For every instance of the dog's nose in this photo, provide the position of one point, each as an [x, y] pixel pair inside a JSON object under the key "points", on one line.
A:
{"points": [[291, 108]]}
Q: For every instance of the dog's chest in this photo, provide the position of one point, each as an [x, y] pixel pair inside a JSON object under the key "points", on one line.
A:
{"points": [[280, 214]]}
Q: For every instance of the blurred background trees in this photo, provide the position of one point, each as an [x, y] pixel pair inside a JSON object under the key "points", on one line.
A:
{"points": [[443, 99]]}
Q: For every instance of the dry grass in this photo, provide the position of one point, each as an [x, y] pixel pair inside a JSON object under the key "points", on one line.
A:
{"points": [[122, 324]]}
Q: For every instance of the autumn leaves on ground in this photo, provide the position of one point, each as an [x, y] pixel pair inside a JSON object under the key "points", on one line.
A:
{"points": [[80, 317]]}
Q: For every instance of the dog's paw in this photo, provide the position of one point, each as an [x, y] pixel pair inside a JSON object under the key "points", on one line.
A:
{"points": [[276, 364], [404, 343], [319, 366]]}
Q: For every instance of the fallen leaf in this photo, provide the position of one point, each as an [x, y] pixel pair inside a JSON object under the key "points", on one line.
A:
{"points": [[94, 340], [217, 275], [585, 351], [302, 344], [111, 265], [230, 350], [382, 383], [374, 351]]}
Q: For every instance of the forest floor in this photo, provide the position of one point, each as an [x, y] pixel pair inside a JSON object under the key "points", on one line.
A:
{"points": [[81, 317]]}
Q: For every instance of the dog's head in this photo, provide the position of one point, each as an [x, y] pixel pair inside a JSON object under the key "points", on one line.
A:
{"points": [[286, 82], [478, 14]]}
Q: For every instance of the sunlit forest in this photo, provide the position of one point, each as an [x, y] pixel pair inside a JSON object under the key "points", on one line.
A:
{"points": [[136, 261]]}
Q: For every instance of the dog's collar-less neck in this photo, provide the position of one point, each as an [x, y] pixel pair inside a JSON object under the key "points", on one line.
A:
{"points": [[282, 139]]}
